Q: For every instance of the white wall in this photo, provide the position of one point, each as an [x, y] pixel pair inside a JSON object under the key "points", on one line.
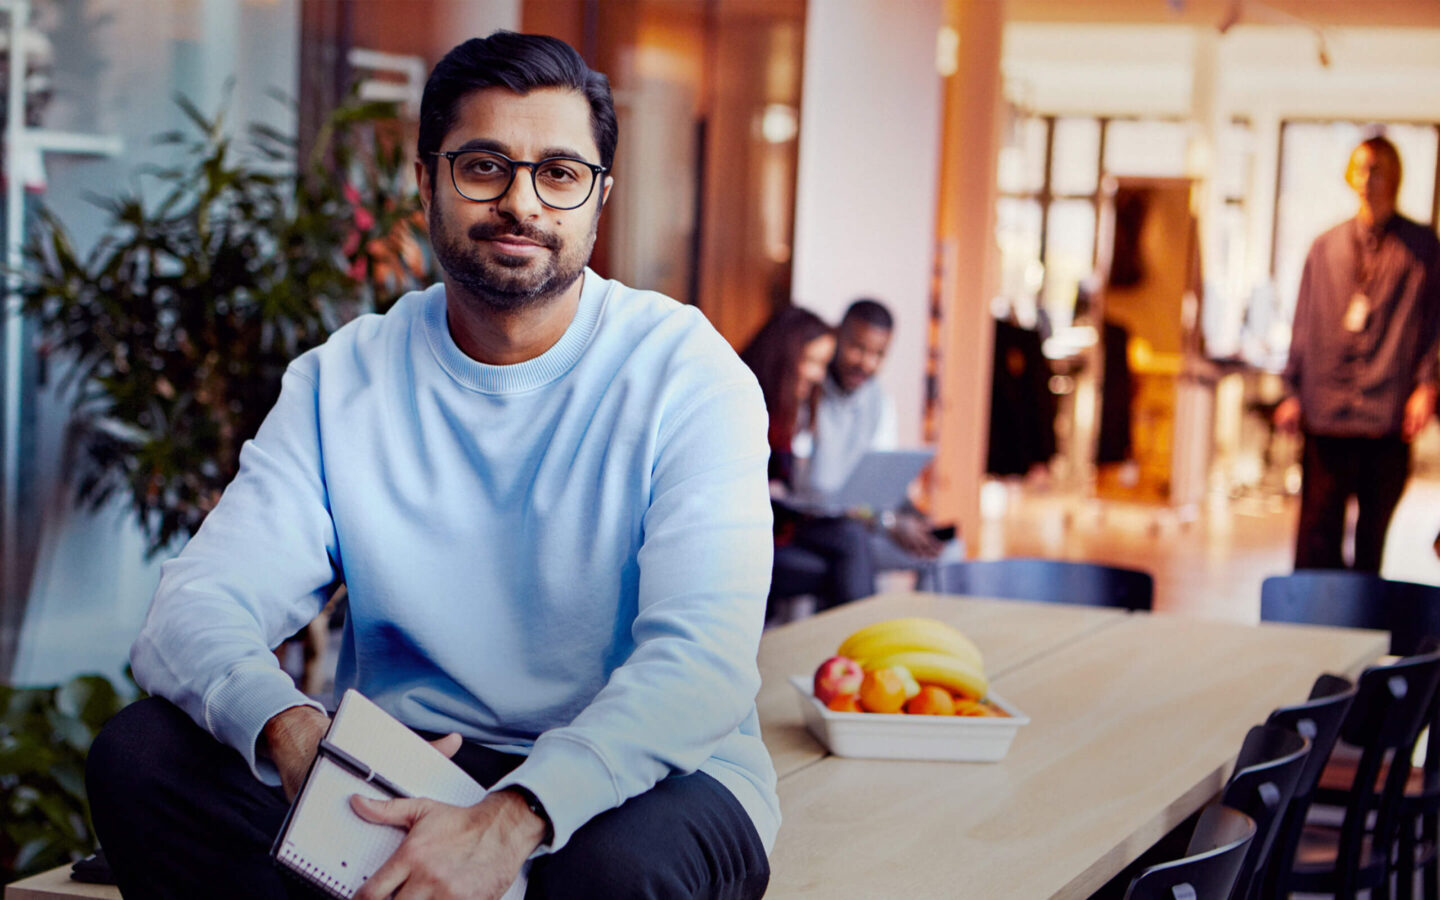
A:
{"points": [[869, 158]]}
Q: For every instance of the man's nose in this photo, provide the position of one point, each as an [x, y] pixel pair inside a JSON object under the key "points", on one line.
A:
{"points": [[520, 201]]}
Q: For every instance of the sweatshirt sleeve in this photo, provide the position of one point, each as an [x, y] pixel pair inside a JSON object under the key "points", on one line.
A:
{"points": [[256, 571], [704, 577]]}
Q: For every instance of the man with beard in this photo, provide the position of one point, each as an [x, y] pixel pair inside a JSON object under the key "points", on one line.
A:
{"points": [[546, 494]]}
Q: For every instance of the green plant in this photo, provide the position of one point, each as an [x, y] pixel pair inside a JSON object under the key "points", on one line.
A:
{"points": [[45, 734], [182, 319]]}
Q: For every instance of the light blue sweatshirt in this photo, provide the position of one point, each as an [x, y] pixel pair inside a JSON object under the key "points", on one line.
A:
{"points": [[567, 557]]}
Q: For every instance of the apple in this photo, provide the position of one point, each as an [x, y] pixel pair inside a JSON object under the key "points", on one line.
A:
{"points": [[912, 687], [836, 677]]}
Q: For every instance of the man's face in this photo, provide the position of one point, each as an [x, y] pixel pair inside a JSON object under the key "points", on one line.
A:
{"points": [[514, 251], [1375, 179], [858, 353]]}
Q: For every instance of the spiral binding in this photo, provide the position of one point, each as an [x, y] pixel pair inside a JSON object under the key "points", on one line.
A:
{"points": [[311, 874]]}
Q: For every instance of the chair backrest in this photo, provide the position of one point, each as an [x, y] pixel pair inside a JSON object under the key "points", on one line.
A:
{"points": [[1410, 612], [1211, 862], [1391, 705], [1266, 771], [1317, 719], [1058, 581]]}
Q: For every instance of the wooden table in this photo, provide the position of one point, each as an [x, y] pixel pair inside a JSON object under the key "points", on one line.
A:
{"points": [[1135, 723]]}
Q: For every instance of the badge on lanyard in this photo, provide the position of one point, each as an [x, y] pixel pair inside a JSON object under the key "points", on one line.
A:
{"points": [[1357, 313]]}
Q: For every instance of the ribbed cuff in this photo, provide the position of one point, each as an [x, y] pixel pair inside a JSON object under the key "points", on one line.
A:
{"points": [[570, 780], [237, 709]]}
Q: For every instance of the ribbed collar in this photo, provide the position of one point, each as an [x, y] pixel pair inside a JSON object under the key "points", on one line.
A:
{"points": [[527, 375]]}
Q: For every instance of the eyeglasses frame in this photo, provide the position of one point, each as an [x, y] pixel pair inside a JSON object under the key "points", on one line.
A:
{"points": [[515, 165]]}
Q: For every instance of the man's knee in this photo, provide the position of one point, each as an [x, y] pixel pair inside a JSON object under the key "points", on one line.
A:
{"points": [[137, 746]]}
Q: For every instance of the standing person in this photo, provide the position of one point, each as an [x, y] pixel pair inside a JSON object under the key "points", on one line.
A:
{"points": [[788, 356], [546, 495], [1362, 377], [854, 416]]}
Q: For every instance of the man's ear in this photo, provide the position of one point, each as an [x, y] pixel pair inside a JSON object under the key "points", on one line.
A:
{"points": [[426, 185], [605, 190]]}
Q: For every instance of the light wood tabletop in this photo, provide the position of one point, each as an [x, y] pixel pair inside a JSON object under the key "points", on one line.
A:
{"points": [[1135, 723]]}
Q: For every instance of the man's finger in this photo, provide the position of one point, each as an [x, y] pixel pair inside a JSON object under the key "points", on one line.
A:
{"points": [[387, 812], [448, 745], [387, 880]]}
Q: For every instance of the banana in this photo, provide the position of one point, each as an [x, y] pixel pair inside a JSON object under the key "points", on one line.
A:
{"points": [[908, 634], [930, 667]]}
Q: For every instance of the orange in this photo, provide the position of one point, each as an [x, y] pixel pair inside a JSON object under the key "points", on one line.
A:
{"points": [[882, 691], [964, 706], [844, 703], [932, 700]]}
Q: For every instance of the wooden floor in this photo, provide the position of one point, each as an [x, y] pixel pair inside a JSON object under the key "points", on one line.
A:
{"points": [[1211, 567]]}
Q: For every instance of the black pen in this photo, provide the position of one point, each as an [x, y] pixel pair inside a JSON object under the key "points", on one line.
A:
{"points": [[362, 771]]}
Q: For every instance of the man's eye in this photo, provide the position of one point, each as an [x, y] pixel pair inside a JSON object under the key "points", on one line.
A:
{"points": [[482, 167], [559, 173]]}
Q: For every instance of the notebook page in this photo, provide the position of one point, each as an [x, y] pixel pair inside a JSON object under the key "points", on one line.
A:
{"points": [[383, 743], [326, 842]]}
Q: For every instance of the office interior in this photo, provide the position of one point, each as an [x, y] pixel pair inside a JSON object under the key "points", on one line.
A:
{"points": [[978, 165]]}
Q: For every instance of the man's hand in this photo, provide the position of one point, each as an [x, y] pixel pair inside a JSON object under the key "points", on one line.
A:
{"points": [[290, 740], [1418, 410], [1287, 415], [452, 851], [911, 533]]}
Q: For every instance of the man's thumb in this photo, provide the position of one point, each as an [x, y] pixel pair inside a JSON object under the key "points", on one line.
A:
{"points": [[385, 812]]}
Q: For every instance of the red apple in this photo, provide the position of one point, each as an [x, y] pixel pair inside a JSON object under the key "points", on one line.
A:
{"points": [[836, 677]]}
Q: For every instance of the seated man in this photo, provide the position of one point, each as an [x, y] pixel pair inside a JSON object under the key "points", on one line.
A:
{"points": [[546, 495], [853, 417]]}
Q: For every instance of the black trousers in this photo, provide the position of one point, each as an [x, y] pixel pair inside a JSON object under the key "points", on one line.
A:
{"points": [[180, 815], [844, 543], [1334, 469]]}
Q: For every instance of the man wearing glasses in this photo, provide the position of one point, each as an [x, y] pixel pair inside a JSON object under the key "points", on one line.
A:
{"points": [[546, 495]]}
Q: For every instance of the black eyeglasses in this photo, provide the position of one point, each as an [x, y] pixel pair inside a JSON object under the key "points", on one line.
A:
{"points": [[560, 182]]}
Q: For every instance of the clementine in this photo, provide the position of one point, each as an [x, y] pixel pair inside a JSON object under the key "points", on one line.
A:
{"points": [[932, 700], [844, 703], [882, 691]]}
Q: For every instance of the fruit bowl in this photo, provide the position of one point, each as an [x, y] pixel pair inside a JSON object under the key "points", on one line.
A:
{"points": [[904, 736]]}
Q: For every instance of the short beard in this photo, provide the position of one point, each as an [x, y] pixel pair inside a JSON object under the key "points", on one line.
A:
{"points": [[509, 283]]}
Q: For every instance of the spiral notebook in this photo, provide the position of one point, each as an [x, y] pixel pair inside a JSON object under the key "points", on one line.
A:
{"points": [[366, 751]]}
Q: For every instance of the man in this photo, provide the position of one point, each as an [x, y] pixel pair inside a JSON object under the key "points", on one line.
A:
{"points": [[546, 495], [1362, 374], [855, 416]]}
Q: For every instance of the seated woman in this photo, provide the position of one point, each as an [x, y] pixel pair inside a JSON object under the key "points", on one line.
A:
{"points": [[789, 356]]}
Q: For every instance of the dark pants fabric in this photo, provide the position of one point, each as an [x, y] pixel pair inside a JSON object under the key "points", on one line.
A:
{"points": [[844, 543], [1334, 469], [179, 815]]}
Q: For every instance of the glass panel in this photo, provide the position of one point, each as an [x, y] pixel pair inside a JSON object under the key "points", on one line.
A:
{"points": [[1017, 232], [1022, 159], [1146, 147], [1076, 163], [1417, 146], [1069, 255]]}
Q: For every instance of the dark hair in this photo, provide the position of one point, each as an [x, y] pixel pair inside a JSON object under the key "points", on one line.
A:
{"points": [[871, 312], [518, 62], [774, 356]]}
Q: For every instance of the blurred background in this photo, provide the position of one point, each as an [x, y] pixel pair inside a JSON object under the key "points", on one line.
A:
{"points": [[1089, 217]]}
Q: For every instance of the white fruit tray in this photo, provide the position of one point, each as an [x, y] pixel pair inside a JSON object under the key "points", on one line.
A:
{"points": [[903, 736]]}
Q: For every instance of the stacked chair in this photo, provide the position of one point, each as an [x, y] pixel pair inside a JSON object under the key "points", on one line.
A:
{"points": [[1211, 863], [1266, 772], [1380, 817]]}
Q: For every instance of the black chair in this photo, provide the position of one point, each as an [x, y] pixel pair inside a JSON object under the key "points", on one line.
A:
{"points": [[1317, 719], [1390, 706], [796, 572], [1058, 581], [1211, 862], [1266, 772], [1410, 612]]}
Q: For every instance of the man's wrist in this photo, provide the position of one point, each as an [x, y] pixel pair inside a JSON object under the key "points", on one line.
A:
{"points": [[533, 803]]}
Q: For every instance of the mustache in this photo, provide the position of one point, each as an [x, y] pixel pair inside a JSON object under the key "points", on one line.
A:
{"points": [[484, 231]]}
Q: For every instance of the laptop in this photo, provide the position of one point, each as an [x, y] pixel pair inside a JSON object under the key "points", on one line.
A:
{"points": [[880, 481]]}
